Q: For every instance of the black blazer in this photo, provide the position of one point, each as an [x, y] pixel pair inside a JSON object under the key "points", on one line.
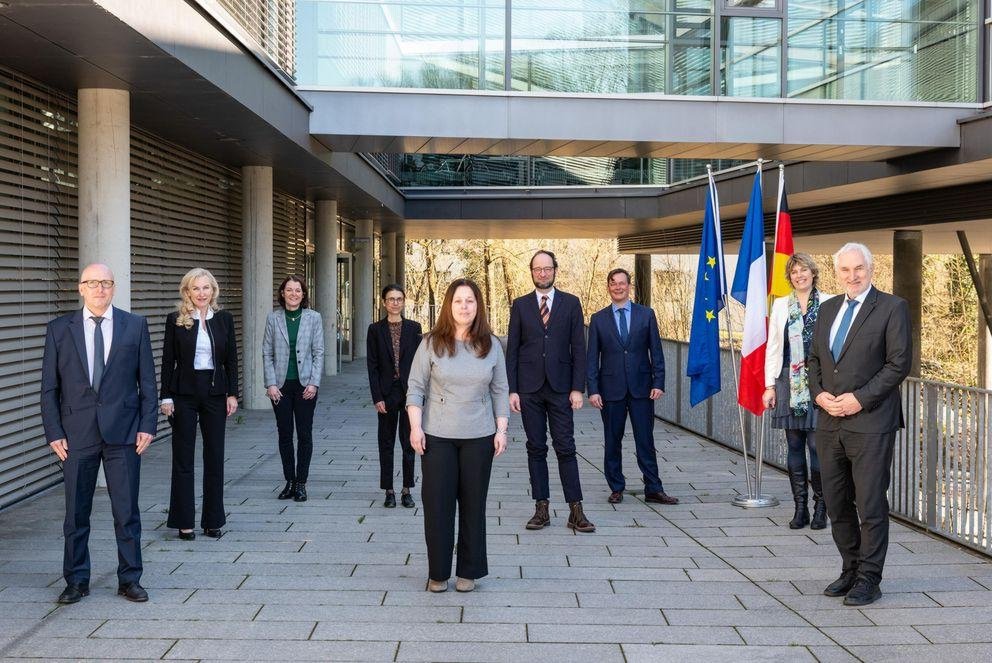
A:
{"points": [[379, 355], [180, 348], [876, 358], [556, 354]]}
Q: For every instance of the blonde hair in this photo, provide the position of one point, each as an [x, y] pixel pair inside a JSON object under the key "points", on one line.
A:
{"points": [[806, 260], [185, 305]]}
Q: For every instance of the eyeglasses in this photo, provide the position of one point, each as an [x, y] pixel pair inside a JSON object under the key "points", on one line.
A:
{"points": [[93, 284], [542, 270], [394, 300]]}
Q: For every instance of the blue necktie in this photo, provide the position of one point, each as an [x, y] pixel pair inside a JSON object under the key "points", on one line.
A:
{"points": [[623, 325], [98, 350], [845, 324]]}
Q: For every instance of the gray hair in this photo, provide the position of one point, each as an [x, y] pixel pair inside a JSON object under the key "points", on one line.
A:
{"points": [[855, 246]]}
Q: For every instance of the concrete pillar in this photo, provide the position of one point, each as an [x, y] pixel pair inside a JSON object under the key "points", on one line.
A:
{"points": [[364, 297], [387, 264], [326, 281], [642, 278], [256, 271], [105, 185], [401, 259], [907, 282], [984, 339]]}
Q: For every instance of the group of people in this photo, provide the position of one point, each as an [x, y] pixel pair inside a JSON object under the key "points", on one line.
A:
{"points": [[832, 374], [99, 403], [450, 395]]}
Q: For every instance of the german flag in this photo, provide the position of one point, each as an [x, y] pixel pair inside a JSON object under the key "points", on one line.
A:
{"points": [[778, 284]]}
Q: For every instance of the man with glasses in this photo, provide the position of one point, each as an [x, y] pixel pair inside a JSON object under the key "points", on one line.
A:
{"points": [[546, 369], [99, 404]]}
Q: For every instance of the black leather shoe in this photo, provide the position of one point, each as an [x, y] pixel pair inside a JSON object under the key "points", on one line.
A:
{"points": [[213, 533], [390, 501], [187, 536], [73, 594], [406, 499], [660, 498], [301, 492], [288, 491], [864, 592], [133, 592], [843, 584]]}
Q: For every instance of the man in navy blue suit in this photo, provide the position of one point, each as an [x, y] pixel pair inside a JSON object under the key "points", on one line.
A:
{"points": [[545, 367], [626, 376], [99, 403]]}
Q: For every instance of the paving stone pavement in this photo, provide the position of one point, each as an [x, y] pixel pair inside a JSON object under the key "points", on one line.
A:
{"points": [[340, 578]]}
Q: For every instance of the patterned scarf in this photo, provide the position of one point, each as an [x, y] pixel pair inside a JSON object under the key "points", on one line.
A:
{"points": [[800, 336]]}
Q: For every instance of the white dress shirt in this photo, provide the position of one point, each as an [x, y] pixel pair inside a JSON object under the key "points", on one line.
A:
{"points": [[203, 359], [843, 308], [89, 332], [550, 296]]}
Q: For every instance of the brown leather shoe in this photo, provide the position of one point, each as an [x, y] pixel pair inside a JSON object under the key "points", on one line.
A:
{"points": [[660, 498], [541, 518], [577, 520], [615, 497]]}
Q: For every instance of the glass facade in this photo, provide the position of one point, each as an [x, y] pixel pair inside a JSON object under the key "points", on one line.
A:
{"points": [[886, 50], [458, 170]]}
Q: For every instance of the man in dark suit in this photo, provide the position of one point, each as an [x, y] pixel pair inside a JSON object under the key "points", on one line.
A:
{"points": [[99, 402], [390, 346], [626, 369], [545, 367], [861, 353]]}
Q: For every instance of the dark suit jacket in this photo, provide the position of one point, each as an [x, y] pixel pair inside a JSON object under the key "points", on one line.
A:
{"points": [[126, 403], [876, 358], [180, 348], [556, 354], [615, 369], [379, 355]]}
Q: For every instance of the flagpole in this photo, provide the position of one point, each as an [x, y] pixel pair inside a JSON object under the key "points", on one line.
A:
{"points": [[760, 457], [730, 335]]}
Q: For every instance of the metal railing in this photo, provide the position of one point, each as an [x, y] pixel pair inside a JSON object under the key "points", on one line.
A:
{"points": [[941, 477]]}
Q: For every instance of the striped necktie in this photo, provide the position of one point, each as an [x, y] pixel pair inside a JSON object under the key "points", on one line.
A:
{"points": [[545, 311]]}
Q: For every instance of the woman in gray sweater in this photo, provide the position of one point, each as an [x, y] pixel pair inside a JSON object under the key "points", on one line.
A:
{"points": [[458, 402]]}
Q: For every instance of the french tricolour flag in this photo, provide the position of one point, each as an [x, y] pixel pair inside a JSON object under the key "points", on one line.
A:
{"points": [[751, 289]]}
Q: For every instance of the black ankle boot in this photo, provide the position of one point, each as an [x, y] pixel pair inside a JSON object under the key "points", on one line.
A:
{"points": [[800, 493], [819, 506], [301, 492], [288, 491]]}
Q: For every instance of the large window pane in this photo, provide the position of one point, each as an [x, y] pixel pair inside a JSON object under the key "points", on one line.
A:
{"points": [[750, 57], [612, 46], [453, 44], [899, 50]]}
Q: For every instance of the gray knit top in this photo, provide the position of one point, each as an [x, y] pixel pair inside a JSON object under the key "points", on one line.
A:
{"points": [[461, 396]]}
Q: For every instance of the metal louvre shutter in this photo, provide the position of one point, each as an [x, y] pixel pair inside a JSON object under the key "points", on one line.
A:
{"points": [[185, 213], [38, 242], [289, 239]]}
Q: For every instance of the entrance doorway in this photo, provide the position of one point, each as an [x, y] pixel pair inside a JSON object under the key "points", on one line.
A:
{"points": [[345, 350]]}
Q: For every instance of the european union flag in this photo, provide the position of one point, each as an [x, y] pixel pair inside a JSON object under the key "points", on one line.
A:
{"points": [[703, 366]]}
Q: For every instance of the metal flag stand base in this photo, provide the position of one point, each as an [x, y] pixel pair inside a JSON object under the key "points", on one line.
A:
{"points": [[757, 502]]}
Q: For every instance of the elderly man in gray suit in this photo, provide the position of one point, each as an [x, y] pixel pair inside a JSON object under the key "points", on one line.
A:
{"points": [[861, 353]]}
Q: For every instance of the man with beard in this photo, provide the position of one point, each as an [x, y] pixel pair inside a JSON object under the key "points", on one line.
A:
{"points": [[546, 367]]}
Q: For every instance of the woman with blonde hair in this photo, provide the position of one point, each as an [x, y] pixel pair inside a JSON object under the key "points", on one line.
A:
{"points": [[199, 385], [459, 405], [790, 333]]}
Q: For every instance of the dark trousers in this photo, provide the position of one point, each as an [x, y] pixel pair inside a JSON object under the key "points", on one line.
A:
{"points": [[121, 465], [641, 412], [395, 414], [293, 407], [855, 468], [540, 411], [799, 441], [211, 413], [456, 472]]}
